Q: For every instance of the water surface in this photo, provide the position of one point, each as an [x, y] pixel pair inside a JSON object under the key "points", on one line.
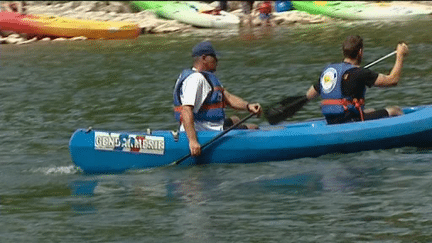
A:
{"points": [[49, 90]]}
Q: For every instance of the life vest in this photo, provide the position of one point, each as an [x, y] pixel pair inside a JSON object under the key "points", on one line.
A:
{"points": [[334, 101], [213, 107]]}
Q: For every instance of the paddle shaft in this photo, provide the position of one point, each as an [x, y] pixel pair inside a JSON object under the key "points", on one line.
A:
{"points": [[379, 60], [217, 137]]}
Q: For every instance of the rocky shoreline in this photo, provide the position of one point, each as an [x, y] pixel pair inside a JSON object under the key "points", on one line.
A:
{"points": [[148, 22]]}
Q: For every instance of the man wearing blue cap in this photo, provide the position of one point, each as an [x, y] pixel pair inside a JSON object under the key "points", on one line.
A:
{"points": [[200, 99]]}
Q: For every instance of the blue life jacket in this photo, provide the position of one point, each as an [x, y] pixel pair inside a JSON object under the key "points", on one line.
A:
{"points": [[213, 107], [334, 101]]}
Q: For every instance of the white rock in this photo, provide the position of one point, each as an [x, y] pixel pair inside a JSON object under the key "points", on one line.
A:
{"points": [[60, 39], [13, 40], [72, 4], [87, 6], [13, 36], [27, 41], [113, 7], [79, 38], [165, 29], [80, 9], [99, 13]]}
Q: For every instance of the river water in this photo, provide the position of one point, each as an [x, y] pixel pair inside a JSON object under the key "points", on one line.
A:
{"points": [[48, 90]]}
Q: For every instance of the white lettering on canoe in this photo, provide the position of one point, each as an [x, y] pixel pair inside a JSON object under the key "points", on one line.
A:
{"points": [[107, 141], [129, 143]]}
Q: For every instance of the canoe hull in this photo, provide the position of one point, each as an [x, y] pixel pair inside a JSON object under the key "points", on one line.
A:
{"points": [[50, 26], [112, 152]]}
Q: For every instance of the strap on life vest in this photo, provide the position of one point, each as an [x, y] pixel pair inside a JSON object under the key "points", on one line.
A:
{"points": [[205, 106], [357, 103]]}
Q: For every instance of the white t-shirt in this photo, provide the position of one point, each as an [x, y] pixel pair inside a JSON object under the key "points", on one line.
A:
{"points": [[195, 89]]}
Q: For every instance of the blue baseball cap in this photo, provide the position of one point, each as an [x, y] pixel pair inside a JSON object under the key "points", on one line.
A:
{"points": [[204, 48]]}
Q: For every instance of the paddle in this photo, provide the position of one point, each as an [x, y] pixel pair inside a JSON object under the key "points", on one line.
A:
{"points": [[216, 137], [284, 109], [289, 106]]}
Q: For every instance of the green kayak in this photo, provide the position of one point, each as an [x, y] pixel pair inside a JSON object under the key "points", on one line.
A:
{"points": [[361, 10], [193, 13]]}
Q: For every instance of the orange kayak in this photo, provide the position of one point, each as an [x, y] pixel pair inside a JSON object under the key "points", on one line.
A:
{"points": [[51, 26]]}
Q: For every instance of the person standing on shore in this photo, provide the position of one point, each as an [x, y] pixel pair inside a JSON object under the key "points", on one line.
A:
{"points": [[343, 85], [16, 7], [200, 99], [247, 9], [223, 5], [265, 10]]}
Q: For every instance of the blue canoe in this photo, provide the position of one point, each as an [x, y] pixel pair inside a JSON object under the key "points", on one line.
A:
{"points": [[112, 152]]}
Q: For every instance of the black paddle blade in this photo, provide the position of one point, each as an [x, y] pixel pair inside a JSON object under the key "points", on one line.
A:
{"points": [[284, 109]]}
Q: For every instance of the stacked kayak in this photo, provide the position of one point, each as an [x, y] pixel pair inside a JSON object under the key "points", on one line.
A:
{"points": [[193, 13], [356, 10], [107, 152], [50, 26]]}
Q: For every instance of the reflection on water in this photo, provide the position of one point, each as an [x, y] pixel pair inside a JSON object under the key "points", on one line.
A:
{"points": [[206, 197], [83, 191], [303, 183], [342, 178], [83, 188], [196, 187], [252, 34], [352, 178], [195, 190], [83, 207]]}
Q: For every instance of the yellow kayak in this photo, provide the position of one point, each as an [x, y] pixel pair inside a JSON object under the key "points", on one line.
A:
{"points": [[51, 26]]}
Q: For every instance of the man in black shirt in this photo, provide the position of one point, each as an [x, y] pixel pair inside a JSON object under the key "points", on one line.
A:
{"points": [[343, 85]]}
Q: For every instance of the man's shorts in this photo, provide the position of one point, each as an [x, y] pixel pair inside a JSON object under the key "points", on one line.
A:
{"points": [[350, 117], [264, 16]]}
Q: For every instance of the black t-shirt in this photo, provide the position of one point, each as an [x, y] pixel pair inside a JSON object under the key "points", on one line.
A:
{"points": [[354, 82]]}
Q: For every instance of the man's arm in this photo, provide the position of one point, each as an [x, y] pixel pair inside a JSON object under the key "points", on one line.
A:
{"points": [[189, 126], [239, 104], [393, 78], [195, 89], [312, 93]]}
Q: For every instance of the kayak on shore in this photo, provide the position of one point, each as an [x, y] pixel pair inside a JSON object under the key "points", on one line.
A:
{"points": [[190, 12], [361, 10], [114, 152], [51, 26]]}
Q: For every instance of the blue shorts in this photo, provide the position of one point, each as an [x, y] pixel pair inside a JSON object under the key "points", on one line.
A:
{"points": [[264, 16]]}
